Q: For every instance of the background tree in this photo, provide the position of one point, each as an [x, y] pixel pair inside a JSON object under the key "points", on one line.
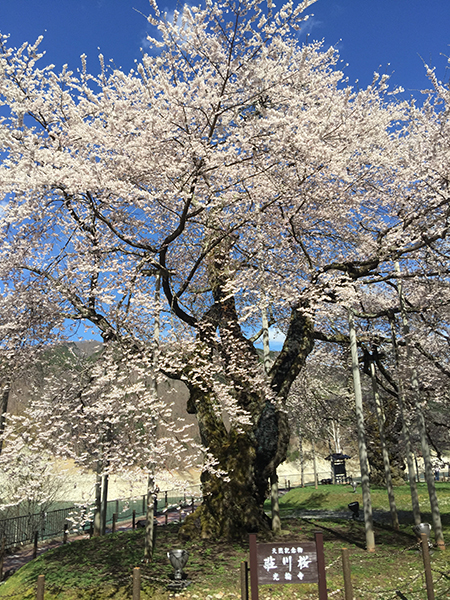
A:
{"points": [[320, 402], [29, 322]]}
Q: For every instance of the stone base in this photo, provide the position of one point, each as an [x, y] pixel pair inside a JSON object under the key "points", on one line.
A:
{"points": [[178, 585]]}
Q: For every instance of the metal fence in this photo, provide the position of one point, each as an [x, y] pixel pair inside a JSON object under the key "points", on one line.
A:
{"points": [[323, 477], [52, 524]]}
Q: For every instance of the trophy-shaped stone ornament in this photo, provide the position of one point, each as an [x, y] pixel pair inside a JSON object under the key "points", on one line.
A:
{"points": [[178, 560]]}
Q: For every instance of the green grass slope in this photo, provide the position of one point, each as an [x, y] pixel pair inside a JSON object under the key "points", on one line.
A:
{"points": [[101, 568]]}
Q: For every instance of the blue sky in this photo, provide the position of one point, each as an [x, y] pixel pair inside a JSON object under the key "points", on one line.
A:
{"points": [[393, 36]]}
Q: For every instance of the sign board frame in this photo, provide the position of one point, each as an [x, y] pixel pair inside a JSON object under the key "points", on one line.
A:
{"points": [[287, 562]]}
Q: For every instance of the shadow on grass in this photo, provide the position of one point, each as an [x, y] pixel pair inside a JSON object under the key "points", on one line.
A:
{"points": [[314, 500], [353, 533], [84, 564]]}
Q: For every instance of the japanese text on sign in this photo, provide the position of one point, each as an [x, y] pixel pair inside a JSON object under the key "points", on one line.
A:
{"points": [[291, 563]]}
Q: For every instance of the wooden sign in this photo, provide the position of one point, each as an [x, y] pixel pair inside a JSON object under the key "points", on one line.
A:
{"points": [[289, 562]]}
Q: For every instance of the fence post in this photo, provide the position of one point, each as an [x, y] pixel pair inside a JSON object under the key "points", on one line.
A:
{"points": [[193, 505], [35, 544], [244, 580], [40, 587], [133, 520], [114, 521], [166, 517], [65, 534], [136, 583], [166, 501], [253, 566], [180, 515], [2, 554], [323, 595], [427, 565], [143, 505], [347, 574]]}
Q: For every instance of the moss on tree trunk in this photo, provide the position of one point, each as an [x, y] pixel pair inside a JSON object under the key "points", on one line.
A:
{"points": [[246, 456], [246, 451]]}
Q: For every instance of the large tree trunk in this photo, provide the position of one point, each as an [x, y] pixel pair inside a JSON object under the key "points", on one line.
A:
{"points": [[246, 456], [235, 489]]}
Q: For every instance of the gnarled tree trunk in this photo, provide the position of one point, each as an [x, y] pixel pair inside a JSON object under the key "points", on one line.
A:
{"points": [[246, 455], [233, 497], [246, 446]]}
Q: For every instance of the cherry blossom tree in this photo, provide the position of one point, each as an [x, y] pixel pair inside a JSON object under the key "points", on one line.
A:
{"points": [[230, 132], [29, 322], [103, 414], [404, 374]]}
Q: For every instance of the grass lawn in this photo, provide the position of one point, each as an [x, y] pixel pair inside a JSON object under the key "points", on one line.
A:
{"points": [[101, 568], [337, 497]]}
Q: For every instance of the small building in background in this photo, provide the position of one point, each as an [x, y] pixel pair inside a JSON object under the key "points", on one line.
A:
{"points": [[338, 467]]}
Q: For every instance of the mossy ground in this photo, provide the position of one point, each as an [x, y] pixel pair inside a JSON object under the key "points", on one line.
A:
{"points": [[101, 568]]}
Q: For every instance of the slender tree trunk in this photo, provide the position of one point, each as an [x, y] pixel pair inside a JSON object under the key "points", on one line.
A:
{"points": [[417, 468], [411, 470], [368, 520], [105, 479], [150, 518], [429, 475], [149, 541], [6, 389], [276, 521], [406, 435], [275, 505], [316, 483], [301, 455], [98, 501], [386, 461]]}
